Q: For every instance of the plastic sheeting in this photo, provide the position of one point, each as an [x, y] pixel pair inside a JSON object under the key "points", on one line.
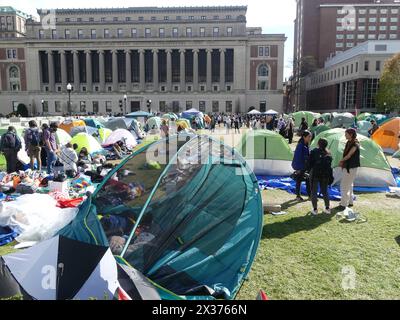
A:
{"points": [[37, 222]]}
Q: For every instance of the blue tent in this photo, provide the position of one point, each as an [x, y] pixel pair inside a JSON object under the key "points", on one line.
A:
{"points": [[201, 222], [94, 123], [139, 114]]}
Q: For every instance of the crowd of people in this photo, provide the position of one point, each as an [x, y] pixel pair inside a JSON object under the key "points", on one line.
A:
{"points": [[315, 168]]}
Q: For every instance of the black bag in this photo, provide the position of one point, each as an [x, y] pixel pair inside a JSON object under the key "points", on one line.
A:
{"points": [[33, 137], [9, 141]]}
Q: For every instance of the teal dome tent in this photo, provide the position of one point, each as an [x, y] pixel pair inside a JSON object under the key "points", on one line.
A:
{"points": [[195, 216]]}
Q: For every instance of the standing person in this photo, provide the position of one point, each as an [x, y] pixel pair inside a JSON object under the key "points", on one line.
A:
{"points": [[228, 124], [212, 123], [32, 145], [315, 123], [290, 130], [236, 121], [164, 128], [10, 144], [303, 126], [51, 146], [373, 128], [300, 163], [69, 158], [281, 126], [349, 164], [321, 174]]}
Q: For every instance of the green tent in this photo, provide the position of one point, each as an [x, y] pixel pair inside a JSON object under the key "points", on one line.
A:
{"points": [[363, 116], [340, 120], [375, 170], [318, 129], [309, 116], [397, 155], [363, 127], [267, 152], [170, 116], [87, 141], [154, 123], [326, 117]]}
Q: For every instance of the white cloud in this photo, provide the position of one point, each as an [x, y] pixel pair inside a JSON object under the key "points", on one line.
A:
{"points": [[274, 16]]}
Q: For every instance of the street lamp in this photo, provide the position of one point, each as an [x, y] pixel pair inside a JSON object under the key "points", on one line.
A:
{"points": [[384, 104], [125, 101], [148, 105], [42, 106], [69, 89]]}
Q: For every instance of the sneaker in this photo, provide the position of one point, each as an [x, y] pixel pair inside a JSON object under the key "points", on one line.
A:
{"points": [[314, 212], [327, 211]]}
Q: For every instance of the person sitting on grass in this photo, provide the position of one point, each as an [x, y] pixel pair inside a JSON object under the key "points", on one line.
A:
{"points": [[84, 159]]}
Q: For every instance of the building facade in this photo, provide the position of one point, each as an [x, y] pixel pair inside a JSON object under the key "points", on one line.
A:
{"points": [[118, 59], [325, 28], [12, 22], [350, 80]]}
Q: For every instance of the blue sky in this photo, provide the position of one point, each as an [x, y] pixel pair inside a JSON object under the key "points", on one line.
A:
{"points": [[274, 16]]}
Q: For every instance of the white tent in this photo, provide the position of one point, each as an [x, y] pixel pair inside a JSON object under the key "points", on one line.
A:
{"points": [[271, 112], [254, 112]]}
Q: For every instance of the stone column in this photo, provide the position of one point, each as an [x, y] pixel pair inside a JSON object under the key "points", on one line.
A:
{"points": [[155, 70], [142, 76], [209, 70], [182, 70], [63, 61], [76, 71], [102, 75], [222, 70], [50, 63], [169, 69], [128, 72], [115, 70], [89, 78], [195, 70]]}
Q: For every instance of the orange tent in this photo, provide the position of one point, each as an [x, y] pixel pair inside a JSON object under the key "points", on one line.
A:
{"points": [[207, 119], [387, 136], [67, 125]]}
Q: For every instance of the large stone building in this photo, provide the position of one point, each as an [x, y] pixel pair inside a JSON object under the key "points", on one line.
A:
{"points": [[325, 28], [118, 59], [350, 80]]}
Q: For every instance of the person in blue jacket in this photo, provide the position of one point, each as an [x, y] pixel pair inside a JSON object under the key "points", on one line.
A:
{"points": [[300, 163]]}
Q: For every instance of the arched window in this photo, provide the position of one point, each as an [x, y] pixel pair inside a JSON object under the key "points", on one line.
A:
{"points": [[14, 79], [263, 77]]}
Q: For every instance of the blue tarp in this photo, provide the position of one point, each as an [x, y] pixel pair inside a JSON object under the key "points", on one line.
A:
{"points": [[6, 235], [289, 185]]}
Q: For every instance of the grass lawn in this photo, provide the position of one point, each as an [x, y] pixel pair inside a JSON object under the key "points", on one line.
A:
{"points": [[301, 256]]}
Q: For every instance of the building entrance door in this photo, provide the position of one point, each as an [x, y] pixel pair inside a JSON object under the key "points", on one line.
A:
{"points": [[135, 106]]}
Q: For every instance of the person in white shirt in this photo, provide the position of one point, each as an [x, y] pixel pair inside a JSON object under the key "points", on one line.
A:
{"points": [[69, 158]]}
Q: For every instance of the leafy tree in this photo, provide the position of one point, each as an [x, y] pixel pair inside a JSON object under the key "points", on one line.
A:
{"points": [[388, 95], [308, 64]]}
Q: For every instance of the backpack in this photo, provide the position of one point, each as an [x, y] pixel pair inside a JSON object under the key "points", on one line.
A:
{"points": [[323, 167], [33, 137], [10, 141]]}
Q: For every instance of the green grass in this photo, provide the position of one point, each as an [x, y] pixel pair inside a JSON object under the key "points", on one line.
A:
{"points": [[301, 256]]}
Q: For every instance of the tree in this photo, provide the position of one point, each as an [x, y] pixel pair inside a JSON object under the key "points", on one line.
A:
{"points": [[388, 95], [22, 110], [308, 64]]}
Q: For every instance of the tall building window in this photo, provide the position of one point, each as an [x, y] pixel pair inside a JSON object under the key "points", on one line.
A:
{"points": [[161, 32], [162, 106], [108, 106], [229, 31], [202, 106], [57, 106], [54, 34], [378, 66], [175, 32], [120, 33], [80, 34], [147, 32], [14, 79], [41, 34], [228, 107], [134, 33], [67, 33], [216, 31], [189, 105], [366, 66], [93, 33], [83, 106], [263, 77], [215, 106], [106, 33], [95, 106], [189, 32], [202, 32]]}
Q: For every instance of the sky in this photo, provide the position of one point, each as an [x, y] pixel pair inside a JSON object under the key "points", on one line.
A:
{"points": [[274, 16]]}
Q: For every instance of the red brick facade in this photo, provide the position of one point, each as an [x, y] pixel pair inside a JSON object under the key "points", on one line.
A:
{"points": [[273, 65], [5, 65]]}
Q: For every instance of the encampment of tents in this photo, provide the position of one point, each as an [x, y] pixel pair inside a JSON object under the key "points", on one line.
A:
{"points": [[363, 127], [375, 170], [154, 123], [94, 123], [87, 141], [363, 116], [62, 137], [170, 116], [318, 129], [183, 123], [67, 125], [196, 243], [388, 135], [104, 134], [267, 152]]}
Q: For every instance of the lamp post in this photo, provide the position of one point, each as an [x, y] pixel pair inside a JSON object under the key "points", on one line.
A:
{"points": [[384, 104], [149, 105], [42, 106], [69, 89], [125, 101], [294, 108]]}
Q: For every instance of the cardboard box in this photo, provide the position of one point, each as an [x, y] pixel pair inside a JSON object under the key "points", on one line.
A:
{"points": [[58, 186]]}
